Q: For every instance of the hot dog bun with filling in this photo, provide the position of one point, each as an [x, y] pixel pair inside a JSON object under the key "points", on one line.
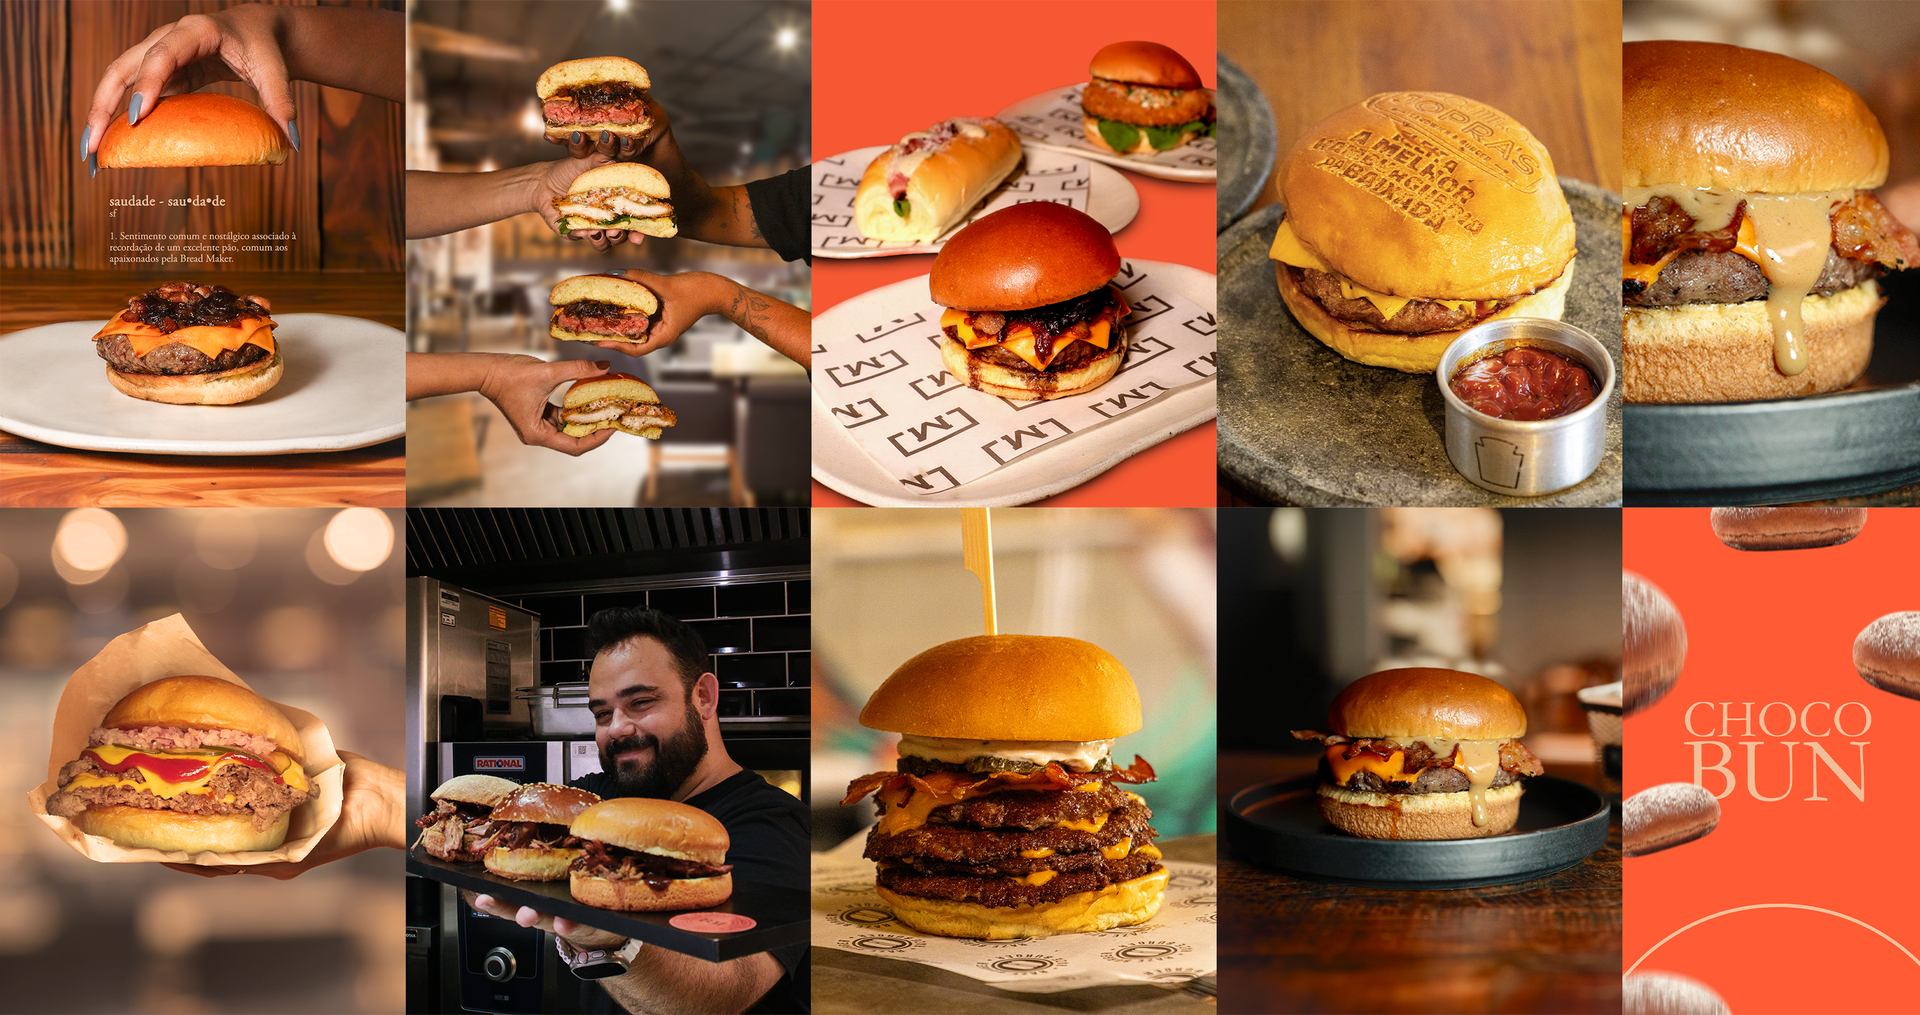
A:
{"points": [[595, 95], [184, 343], [624, 195], [617, 401], [601, 308], [917, 189]]}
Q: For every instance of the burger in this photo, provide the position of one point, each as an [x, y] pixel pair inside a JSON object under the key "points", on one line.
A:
{"points": [[1005, 816], [461, 821], [601, 308], [1423, 754], [1143, 98], [1752, 241], [1031, 313], [624, 195], [1413, 216], [189, 764], [645, 854], [599, 94], [196, 129], [614, 401], [189, 344], [529, 840]]}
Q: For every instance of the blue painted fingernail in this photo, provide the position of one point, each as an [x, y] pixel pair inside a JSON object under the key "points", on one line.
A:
{"points": [[85, 135], [133, 110], [293, 133], [576, 137], [606, 137], [93, 165]]}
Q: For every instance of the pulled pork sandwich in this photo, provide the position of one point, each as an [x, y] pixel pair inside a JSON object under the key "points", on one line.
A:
{"points": [[1143, 98], [600, 93], [644, 854], [1413, 216], [461, 822], [1031, 313], [195, 129], [189, 344], [529, 840], [194, 764], [601, 308], [1752, 240], [1423, 754], [618, 401], [624, 195], [1005, 817]]}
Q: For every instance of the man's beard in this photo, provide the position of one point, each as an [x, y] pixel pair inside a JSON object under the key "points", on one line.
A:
{"points": [[674, 759]]}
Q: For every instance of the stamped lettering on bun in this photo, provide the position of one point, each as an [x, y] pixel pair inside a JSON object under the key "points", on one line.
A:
{"points": [[1664, 816], [1787, 528], [1653, 643], [1887, 654]]}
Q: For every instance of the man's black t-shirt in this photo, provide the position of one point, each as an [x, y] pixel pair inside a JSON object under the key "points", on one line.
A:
{"points": [[781, 210], [770, 834]]}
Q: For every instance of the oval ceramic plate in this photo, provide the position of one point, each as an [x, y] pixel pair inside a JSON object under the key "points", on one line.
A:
{"points": [[344, 387], [1052, 119]]}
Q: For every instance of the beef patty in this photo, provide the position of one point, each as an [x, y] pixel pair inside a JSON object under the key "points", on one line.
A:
{"points": [[1003, 848], [1727, 277], [174, 358], [1431, 780], [1002, 891], [1030, 809], [253, 791], [1418, 317]]}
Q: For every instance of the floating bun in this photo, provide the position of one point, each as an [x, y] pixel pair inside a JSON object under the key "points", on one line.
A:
{"points": [[990, 688], [222, 387], [1786, 528], [592, 70], [148, 828], [1653, 644], [612, 289], [1426, 702], [196, 129], [1116, 905], [1144, 63], [1418, 815], [206, 703], [646, 825], [1026, 256]]}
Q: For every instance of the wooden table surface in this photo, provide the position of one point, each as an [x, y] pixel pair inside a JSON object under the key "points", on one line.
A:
{"points": [[33, 474], [1294, 945]]}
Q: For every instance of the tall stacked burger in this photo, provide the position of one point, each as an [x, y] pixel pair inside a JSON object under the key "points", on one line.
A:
{"points": [[1752, 237], [1006, 816]]}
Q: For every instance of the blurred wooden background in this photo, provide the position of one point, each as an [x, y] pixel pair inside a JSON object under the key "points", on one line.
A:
{"points": [[341, 196]]}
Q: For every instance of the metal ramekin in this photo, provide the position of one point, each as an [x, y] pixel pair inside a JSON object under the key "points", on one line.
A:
{"points": [[1527, 458]]}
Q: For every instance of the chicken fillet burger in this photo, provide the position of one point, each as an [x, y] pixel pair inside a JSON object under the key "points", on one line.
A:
{"points": [[1143, 98]]}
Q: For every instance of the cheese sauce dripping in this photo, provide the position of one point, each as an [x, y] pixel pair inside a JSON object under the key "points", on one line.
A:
{"points": [[1479, 760]]}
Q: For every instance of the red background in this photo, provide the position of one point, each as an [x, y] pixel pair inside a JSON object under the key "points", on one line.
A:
{"points": [[881, 70], [1765, 627]]}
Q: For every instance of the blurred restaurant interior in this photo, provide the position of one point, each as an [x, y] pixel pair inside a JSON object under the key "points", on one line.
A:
{"points": [[306, 607], [735, 82]]}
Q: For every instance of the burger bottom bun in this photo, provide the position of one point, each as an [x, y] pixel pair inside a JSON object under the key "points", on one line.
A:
{"points": [[1418, 815], [1723, 352], [1117, 905], [145, 828], [1786, 528], [651, 433], [532, 864], [1414, 354], [1027, 385], [682, 893], [434, 841], [1091, 127], [226, 387]]}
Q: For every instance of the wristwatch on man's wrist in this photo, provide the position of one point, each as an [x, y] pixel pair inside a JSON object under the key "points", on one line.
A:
{"points": [[599, 963]]}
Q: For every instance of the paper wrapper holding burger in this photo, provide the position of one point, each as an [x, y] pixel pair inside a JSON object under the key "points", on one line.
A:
{"points": [[174, 721]]}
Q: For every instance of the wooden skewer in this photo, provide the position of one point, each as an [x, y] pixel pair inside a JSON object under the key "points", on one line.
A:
{"points": [[976, 535]]}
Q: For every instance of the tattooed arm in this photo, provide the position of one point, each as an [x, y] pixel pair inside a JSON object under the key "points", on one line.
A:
{"points": [[687, 297]]}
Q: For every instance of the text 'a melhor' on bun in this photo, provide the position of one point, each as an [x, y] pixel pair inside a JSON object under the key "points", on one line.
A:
{"points": [[614, 401], [233, 763], [601, 94], [1413, 216], [1143, 98], [529, 840], [1030, 311], [184, 343], [601, 308], [462, 816], [1423, 753], [646, 854], [623, 196], [1753, 240], [196, 129]]}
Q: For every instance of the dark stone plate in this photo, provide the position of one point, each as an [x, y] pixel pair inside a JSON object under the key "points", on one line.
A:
{"points": [[1247, 141]]}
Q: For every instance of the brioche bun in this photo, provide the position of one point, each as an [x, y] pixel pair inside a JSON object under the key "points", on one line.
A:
{"points": [[1786, 528], [1026, 256], [1144, 63], [592, 70], [485, 790], [1426, 702], [1723, 352], [632, 175], [149, 828], [1117, 905], [545, 803], [1653, 643], [983, 688], [196, 129], [647, 825], [637, 896], [1418, 815], [206, 703], [621, 292], [221, 387]]}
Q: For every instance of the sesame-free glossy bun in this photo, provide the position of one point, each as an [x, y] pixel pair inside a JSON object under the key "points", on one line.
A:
{"points": [[647, 825], [1705, 114], [1008, 687], [544, 802], [1653, 643], [590, 71], [1418, 815], [1786, 528], [614, 289], [150, 828], [197, 129], [1497, 225], [206, 703], [1026, 256], [613, 385], [485, 790], [1117, 905], [1427, 702], [1144, 63]]}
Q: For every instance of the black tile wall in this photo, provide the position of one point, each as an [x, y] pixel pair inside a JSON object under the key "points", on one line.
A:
{"points": [[800, 597], [799, 669], [561, 673], [787, 702], [782, 634], [569, 643], [555, 611], [754, 670], [687, 604], [608, 600], [757, 600], [724, 636]]}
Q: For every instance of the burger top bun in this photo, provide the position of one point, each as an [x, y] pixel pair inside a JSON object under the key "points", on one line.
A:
{"points": [[645, 179], [1023, 257], [1705, 114], [1144, 63], [1424, 702], [621, 292], [205, 703], [1368, 190], [544, 802], [196, 129], [485, 790], [592, 70], [1008, 687], [645, 825]]}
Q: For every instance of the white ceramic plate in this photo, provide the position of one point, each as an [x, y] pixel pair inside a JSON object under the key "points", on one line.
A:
{"points": [[1053, 119], [344, 387], [1112, 202], [839, 463]]}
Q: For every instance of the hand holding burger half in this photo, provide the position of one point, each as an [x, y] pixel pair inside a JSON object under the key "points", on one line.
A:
{"points": [[1005, 818], [195, 129], [189, 344], [528, 840], [601, 308], [595, 95], [625, 196], [1752, 239], [1143, 98], [614, 401], [462, 816], [1423, 754], [645, 854], [193, 764], [1413, 216], [1031, 313]]}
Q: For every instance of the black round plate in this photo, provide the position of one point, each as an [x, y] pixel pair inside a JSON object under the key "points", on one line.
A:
{"points": [[1277, 824], [1247, 142]]}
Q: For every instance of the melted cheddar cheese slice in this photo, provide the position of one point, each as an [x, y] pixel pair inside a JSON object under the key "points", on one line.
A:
{"points": [[1645, 274], [1287, 249], [209, 341], [114, 754], [1022, 341]]}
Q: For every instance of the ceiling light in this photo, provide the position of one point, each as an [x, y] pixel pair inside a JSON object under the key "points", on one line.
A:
{"points": [[787, 38]]}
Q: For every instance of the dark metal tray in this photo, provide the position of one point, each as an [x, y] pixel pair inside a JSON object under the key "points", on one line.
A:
{"points": [[1278, 824], [1247, 142], [781, 914]]}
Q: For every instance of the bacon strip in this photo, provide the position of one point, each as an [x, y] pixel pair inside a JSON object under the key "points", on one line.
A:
{"points": [[1514, 755]]}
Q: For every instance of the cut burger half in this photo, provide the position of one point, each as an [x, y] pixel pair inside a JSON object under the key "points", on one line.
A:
{"points": [[615, 401], [621, 196], [602, 93], [601, 308]]}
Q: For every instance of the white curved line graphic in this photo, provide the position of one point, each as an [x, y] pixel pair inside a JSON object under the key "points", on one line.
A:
{"points": [[1771, 905]]}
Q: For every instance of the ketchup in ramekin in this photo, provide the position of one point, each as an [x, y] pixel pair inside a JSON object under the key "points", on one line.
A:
{"points": [[1524, 383]]}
